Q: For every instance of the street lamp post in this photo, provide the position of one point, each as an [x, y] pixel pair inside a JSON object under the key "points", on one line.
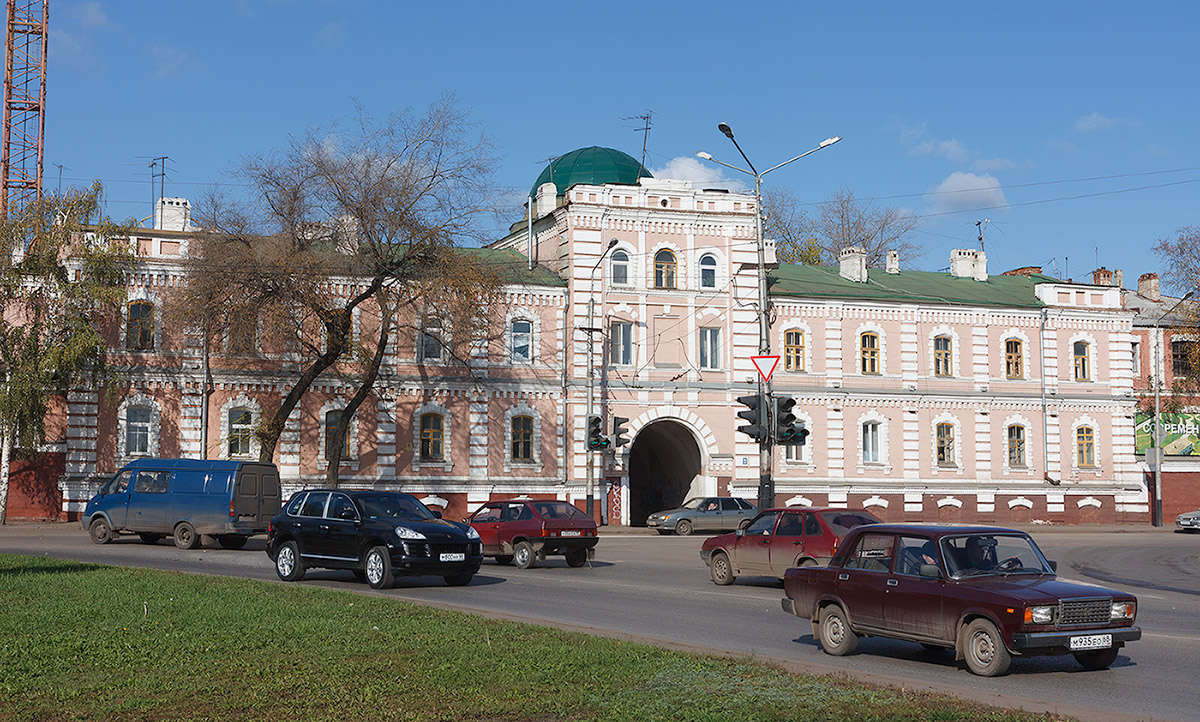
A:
{"points": [[1157, 520], [766, 485], [591, 373]]}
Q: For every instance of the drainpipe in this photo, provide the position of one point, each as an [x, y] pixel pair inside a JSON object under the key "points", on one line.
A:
{"points": [[566, 431], [1045, 431], [529, 231]]}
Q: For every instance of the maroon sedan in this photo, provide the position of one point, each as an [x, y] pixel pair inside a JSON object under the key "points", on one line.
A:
{"points": [[778, 539], [526, 531], [985, 592]]}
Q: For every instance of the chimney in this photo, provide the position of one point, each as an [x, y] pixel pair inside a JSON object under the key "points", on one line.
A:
{"points": [[173, 214], [962, 263], [547, 199], [1102, 277], [1119, 278], [1148, 286], [893, 262], [980, 266], [853, 264]]}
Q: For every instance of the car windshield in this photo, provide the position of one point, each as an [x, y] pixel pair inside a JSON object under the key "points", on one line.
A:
{"points": [[693, 503], [841, 522], [394, 506], [558, 510], [981, 554]]}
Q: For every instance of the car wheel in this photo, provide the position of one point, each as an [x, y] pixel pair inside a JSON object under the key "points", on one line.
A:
{"points": [[984, 649], [837, 638], [1098, 659], [288, 564], [231, 541], [378, 566], [148, 538], [459, 580], [683, 528], [186, 536], [523, 555], [100, 531], [359, 574], [576, 557], [720, 569], [504, 559]]}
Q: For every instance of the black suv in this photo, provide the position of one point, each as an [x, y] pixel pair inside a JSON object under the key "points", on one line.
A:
{"points": [[376, 534]]}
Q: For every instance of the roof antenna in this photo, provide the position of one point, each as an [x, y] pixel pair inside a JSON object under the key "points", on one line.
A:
{"points": [[982, 228], [645, 130]]}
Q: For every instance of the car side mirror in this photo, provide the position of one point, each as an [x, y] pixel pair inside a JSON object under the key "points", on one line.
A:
{"points": [[740, 532], [436, 513], [743, 524], [930, 570], [1053, 566]]}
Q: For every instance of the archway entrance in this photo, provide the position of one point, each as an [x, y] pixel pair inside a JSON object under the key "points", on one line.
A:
{"points": [[663, 462]]}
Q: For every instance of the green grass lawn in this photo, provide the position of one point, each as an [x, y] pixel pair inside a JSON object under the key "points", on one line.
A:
{"points": [[90, 642]]}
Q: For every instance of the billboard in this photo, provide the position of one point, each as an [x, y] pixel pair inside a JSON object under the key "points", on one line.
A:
{"points": [[1180, 433]]}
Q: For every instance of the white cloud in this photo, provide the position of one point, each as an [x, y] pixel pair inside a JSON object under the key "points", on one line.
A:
{"points": [[1063, 146], [700, 173], [1095, 121], [332, 35], [951, 150], [987, 164], [966, 191], [168, 62]]}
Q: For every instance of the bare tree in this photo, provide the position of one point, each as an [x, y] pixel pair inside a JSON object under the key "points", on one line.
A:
{"points": [[840, 222], [1180, 255]]}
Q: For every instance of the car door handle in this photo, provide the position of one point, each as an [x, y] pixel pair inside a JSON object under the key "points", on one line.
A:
{"points": [[892, 582], [797, 543], [324, 527], [843, 577]]}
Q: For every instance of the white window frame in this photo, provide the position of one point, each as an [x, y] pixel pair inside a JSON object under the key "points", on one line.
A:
{"points": [[709, 358], [620, 341]]}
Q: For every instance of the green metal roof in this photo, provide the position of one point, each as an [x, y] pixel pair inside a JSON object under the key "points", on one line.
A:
{"points": [[593, 166], [514, 267], [795, 280]]}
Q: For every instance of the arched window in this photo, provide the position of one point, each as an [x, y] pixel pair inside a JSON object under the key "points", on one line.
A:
{"points": [[945, 445], [431, 438], [793, 350], [332, 419], [868, 353], [1014, 363], [664, 269], [941, 356], [139, 326], [521, 337], [708, 271], [1080, 356], [137, 431], [1085, 446], [522, 438], [1016, 445], [620, 268], [241, 430]]}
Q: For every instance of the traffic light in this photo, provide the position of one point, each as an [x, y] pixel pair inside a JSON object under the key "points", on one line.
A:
{"points": [[789, 431], [596, 440], [754, 413], [619, 430]]}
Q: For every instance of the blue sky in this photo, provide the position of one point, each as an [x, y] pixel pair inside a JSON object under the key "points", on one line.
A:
{"points": [[1072, 127]]}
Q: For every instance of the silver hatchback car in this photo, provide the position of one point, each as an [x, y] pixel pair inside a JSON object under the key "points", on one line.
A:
{"points": [[702, 513]]}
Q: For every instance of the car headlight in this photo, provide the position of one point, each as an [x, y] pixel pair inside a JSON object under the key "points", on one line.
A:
{"points": [[471, 533], [405, 533], [664, 517], [1039, 615], [1123, 610]]}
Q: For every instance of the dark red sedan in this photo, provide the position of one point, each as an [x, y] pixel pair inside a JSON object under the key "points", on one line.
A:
{"points": [[780, 538], [526, 531]]}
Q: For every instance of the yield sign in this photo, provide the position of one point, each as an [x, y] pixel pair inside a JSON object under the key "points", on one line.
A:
{"points": [[765, 365]]}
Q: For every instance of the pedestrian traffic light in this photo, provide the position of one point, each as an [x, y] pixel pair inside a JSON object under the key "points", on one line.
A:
{"points": [[596, 440], [789, 431], [754, 413], [619, 430]]}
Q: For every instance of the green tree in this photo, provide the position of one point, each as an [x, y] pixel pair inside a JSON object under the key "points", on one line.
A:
{"points": [[61, 277]]}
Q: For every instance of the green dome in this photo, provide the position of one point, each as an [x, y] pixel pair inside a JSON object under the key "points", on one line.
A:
{"points": [[594, 166]]}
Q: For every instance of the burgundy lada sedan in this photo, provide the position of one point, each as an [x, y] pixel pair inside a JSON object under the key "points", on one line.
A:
{"points": [[987, 593], [525, 531]]}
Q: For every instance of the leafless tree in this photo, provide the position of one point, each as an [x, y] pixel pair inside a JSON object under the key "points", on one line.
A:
{"points": [[839, 222]]}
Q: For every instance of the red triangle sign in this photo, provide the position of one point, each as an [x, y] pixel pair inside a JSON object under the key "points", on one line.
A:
{"points": [[765, 365]]}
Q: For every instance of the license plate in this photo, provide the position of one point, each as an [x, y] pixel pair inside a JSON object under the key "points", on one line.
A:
{"points": [[458, 557], [1092, 641], [570, 533]]}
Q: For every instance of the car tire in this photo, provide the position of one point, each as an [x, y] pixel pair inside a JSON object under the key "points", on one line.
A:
{"points": [[232, 541], [359, 574], [186, 536], [504, 559], [721, 570], [576, 557], [984, 649], [459, 580], [149, 538], [288, 564], [378, 566], [100, 531], [523, 555], [837, 638], [1097, 659], [683, 527]]}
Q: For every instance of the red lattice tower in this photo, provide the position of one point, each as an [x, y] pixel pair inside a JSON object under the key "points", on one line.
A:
{"points": [[24, 103]]}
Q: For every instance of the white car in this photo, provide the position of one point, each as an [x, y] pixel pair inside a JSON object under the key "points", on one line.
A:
{"points": [[1188, 522]]}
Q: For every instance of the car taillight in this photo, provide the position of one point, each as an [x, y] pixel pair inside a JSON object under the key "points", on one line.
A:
{"points": [[231, 508], [549, 532], [270, 528]]}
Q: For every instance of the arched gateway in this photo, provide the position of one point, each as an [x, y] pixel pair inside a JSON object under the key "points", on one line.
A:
{"points": [[665, 467]]}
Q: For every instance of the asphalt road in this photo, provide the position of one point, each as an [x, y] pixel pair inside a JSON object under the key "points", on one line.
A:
{"points": [[656, 589]]}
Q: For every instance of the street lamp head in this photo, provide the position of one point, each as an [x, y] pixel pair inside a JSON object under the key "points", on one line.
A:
{"points": [[1186, 296], [704, 155], [830, 141], [724, 128], [612, 243]]}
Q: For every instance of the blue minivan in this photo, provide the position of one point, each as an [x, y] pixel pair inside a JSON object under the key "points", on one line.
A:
{"points": [[185, 498]]}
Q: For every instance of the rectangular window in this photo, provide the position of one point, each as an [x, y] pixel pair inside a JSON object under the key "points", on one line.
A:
{"points": [[139, 327], [941, 356], [1085, 446], [620, 343], [522, 339], [243, 330], [710, 348], [793, 453], [137, 431], [1079, 351], [945, 445], [870, 442], [793, 351], [869, 353], [1137, 359], [240, 432], [332, 419], [431, 437], [1016, 446], [1014, 361], [431, 340], [522, 438], [1182, 353]]}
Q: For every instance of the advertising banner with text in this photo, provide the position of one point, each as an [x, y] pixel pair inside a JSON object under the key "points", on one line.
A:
{"points": [[1180, 434]]}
